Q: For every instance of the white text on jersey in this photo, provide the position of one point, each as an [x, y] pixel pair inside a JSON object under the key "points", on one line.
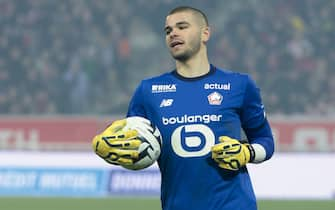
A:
{"points": [[207, 118], [216, 86], [163, 88]]}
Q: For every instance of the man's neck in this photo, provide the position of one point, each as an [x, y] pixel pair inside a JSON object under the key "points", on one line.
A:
{"points": [[193, 67]]}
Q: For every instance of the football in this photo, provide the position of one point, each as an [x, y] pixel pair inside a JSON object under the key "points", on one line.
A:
{"points": [[151, 139]]}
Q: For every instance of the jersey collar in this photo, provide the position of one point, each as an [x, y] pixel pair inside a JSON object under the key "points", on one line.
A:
{"points": [[211, 71]]}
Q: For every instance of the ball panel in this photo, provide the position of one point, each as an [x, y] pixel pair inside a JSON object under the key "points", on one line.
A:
{"points": [[150, 147]]}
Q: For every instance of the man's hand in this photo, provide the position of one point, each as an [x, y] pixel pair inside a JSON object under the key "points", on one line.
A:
{"points": [[231, 154], [116, 146]]}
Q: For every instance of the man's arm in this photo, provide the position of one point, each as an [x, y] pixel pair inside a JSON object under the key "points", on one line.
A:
{"points": [[255, 124]]}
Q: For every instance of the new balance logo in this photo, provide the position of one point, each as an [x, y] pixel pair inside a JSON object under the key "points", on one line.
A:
{"points": [[166, 102]]}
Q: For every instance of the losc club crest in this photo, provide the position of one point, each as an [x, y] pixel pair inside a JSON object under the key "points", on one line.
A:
{"points": [[215, 98]]}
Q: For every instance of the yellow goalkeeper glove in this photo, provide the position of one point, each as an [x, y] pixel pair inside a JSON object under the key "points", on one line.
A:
{"points": [[231, 154], [117, 146]]}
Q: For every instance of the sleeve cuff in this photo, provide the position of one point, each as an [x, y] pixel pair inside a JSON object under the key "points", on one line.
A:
{"points": [[259, 152]]}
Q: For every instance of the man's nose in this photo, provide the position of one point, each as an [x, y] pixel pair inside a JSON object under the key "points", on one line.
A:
{"points": [[173, 33]]}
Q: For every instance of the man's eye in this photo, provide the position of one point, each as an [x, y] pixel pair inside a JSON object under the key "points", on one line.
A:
{"points": [[167, 32]]}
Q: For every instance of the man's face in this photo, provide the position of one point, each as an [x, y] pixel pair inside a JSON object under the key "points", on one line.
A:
{"points": [[183, 35]]}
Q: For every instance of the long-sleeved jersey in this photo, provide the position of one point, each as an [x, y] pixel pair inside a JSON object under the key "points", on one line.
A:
{"points": [[191, 114]]}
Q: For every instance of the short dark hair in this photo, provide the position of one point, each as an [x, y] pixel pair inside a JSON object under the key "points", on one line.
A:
{"points": [[191, 9]]}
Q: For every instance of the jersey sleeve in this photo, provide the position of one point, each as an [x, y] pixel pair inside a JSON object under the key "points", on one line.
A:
{"points": [[136, 106], [255, 123]]}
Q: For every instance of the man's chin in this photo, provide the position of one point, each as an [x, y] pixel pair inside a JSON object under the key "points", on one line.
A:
{"points": [[180, 56]]}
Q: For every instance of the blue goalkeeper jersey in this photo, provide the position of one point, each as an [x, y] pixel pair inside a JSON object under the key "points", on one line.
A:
{"points": [[191, 114]]}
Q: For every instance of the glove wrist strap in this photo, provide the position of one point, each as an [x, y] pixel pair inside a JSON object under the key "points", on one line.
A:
{"points": [[252, 153]]}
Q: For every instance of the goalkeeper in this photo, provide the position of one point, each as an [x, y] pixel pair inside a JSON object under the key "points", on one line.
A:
{"points": [[200, 110]]}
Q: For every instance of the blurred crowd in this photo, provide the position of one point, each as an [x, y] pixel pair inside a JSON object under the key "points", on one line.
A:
{"points": [[87, 57]]}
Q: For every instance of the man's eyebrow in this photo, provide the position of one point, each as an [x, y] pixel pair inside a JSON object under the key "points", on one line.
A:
{"points": [[182, 23], [177, 24]]}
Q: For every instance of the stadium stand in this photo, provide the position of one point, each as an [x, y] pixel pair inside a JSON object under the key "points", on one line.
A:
{"points": [[86, 57]]}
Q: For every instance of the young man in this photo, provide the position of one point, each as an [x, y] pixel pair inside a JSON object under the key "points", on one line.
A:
{"points": [[200, 110]]}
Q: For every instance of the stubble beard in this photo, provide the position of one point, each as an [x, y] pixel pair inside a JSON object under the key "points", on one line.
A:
{"points": [[187, 53]]}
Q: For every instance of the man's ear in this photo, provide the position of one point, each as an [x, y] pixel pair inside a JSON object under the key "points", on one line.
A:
{"points": [[205, 34]]}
